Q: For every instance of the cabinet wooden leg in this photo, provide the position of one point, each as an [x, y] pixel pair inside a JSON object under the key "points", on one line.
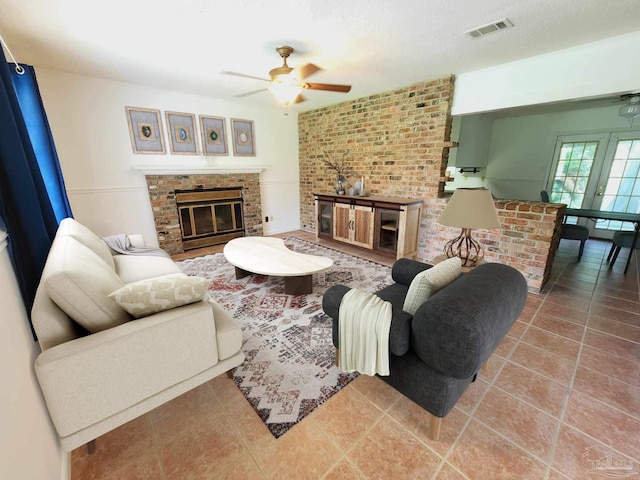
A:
{"points": [[434, 427], [337, 357]]}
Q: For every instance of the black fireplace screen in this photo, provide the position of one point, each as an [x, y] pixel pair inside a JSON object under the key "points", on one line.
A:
{"points": [[210, 217]]}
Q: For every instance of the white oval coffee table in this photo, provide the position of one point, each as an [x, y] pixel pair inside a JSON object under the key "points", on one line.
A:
{"points": [[270, 256]]}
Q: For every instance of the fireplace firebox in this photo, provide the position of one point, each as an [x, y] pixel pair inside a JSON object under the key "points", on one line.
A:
{"points": [[210, 216]]}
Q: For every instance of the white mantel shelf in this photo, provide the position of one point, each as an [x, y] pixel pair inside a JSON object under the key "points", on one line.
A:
{"points": [[190, 170]]}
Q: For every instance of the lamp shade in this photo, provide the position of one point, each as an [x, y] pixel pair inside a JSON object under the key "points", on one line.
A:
{"points": [[471, 208]]}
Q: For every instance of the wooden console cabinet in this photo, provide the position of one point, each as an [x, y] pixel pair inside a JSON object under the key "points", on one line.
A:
{"points": [[385, 225]]}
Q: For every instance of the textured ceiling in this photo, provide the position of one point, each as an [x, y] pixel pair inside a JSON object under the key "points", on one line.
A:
{"points": [[374, 45]]}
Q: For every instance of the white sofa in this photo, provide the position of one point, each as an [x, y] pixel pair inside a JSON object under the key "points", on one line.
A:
{"points": [[100, 367]]}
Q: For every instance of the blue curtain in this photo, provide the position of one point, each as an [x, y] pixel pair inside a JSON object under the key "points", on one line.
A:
{"points": [[27, 157]]}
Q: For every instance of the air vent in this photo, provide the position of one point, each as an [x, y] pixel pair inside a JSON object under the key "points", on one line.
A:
{"points": [[490, 28]]}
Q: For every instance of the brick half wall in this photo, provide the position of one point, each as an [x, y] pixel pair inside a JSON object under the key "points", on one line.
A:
{"points": [[527, 240]]}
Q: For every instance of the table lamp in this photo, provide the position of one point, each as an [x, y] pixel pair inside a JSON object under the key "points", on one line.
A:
{"points": [[469, 208]]}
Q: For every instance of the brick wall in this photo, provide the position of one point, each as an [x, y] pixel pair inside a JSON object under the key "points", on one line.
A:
{"points": [[165, 211], [398, 140]]}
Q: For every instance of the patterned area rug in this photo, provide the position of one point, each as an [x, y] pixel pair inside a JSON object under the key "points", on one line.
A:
{"points": [[289, 368]]}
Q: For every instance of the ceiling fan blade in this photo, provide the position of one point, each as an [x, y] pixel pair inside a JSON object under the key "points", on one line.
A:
{"points": [[308, 70], [251, 93], [300, 98], [245, 76], [328, 86]]}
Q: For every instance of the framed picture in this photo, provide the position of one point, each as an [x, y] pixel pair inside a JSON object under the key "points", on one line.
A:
{"points": [[214, 136], [146, 130], [243, 137], [182, 133]]}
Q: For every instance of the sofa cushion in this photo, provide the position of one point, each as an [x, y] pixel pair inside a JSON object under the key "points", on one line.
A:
{"points": [[133, 268], [79, 282], [82, 234], [153, 295], [428, 282]]}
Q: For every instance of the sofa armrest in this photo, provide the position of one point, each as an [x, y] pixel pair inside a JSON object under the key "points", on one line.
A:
{"points": [[399, 334], [405, 269], [91, 378], [457, 329]]}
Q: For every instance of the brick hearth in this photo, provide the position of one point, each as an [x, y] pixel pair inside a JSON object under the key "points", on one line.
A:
{"points": [[165, 212]]}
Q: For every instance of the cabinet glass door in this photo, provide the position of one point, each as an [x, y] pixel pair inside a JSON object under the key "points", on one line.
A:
{"points": [[387, 230], [325, 219]]}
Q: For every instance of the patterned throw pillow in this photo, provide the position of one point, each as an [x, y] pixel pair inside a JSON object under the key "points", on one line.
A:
{"points": [[157, 294], [429, 281]]}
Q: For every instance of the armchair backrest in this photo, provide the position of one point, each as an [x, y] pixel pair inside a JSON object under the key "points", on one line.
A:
{"points": [[458, 328]]}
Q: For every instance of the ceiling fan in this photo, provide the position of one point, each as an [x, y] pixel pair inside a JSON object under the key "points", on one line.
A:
{"points": [[287, 83], [631, 109]]}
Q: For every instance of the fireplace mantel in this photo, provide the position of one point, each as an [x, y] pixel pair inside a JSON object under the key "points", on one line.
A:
{"points": [[193, 170]]}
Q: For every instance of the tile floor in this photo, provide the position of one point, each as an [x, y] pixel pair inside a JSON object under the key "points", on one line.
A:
{"points": [[560, 400]]}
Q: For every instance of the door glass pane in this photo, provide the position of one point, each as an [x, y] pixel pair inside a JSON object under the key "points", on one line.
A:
{"points": [[572, 173], [224, 220], [622, 192], [237, 208], [185, 220], [203, 220]]}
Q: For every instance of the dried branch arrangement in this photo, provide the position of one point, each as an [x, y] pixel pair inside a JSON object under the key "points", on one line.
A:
{"points": [[339, 165]]}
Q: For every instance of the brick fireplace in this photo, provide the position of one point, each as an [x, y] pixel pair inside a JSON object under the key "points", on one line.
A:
{"points": [[162, 193]]}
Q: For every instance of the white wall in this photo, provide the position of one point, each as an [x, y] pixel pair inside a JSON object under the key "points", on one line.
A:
{"points": [[90, 129], [522, 147], [29, 447], [595, 69]]}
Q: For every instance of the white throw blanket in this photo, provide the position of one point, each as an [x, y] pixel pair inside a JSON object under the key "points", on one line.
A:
{"points": [[121, 243], [365, 321]]}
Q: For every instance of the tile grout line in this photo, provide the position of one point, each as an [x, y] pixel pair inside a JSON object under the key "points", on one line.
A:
{"points": [[569, 388], [471, 415], [363, 436], [238, 432]]}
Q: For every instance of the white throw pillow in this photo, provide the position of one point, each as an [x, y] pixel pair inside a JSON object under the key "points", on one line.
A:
{"points": [[428, 282], [146, 297]]}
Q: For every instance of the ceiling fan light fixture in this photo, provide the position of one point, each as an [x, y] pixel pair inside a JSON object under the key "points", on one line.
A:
{"points": [[631, 109], [285, 87]]}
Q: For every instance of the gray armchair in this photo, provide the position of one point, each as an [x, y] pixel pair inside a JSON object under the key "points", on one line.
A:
{"points": [[438, 352]]}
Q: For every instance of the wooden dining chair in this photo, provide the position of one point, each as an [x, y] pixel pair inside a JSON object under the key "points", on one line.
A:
{"points": [[621, 239], [570, 231]]}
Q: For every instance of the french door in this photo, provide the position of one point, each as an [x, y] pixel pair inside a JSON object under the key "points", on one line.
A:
{"points": [[599, 172]]}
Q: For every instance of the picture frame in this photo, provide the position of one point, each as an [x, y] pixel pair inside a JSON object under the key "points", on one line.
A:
{"points": [[214, 135], [243, 138], [145, 129], [181, 128]]}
